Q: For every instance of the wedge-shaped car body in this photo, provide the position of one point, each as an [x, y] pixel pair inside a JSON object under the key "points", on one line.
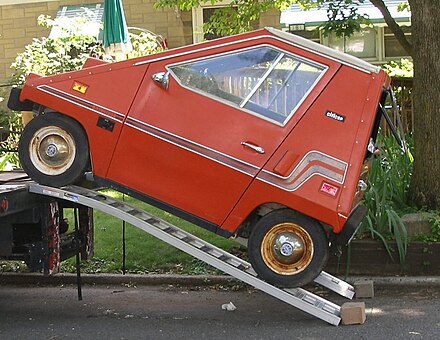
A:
{"points": [[262, 135]]}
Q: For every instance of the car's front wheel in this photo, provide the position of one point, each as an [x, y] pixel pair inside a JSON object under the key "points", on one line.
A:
{"points": [[54, 150], [288, 249]]}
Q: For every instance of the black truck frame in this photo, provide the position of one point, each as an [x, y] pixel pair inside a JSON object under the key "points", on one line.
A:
{"points": [[34, 228]]}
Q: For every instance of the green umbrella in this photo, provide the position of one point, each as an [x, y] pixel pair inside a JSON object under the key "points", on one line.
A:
{"points": [[115, 36]]}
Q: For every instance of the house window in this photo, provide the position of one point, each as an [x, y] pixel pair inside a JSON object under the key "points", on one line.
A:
{"points": [[265, 81], [92, 14], [392, 47], [311, 35], [361, 44], [200, 15]]}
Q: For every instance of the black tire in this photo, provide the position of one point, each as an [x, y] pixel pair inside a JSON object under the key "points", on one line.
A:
{"points": [[54, 150], [288, 249]]}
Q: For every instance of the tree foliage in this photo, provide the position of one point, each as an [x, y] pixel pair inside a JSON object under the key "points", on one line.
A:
{"points": [[343, 15], [235, 18]]}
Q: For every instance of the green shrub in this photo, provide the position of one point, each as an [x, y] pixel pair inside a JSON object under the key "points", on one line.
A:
{"points": [[435, 229], [10, 125]]}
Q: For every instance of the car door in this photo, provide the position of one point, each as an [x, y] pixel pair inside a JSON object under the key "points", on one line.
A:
{"points": [[201, 128]]}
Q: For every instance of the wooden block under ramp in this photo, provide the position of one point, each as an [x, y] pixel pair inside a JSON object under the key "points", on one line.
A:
{"points": [[353, 313], [364, 289]]}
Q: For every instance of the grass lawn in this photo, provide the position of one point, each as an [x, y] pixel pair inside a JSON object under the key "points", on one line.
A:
{"points": [[144, 253]]}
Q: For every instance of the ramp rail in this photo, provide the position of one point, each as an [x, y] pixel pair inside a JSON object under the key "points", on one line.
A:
{"points": [[204, 251]]}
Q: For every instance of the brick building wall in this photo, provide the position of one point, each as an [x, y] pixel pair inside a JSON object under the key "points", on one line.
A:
{"points": [[18, 24]]}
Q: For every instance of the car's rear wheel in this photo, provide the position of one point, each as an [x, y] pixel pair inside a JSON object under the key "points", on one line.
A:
{"points": [[53, 150], [288, 249]]}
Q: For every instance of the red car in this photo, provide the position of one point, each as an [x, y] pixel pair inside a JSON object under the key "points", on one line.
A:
{"points": [[263, 135]]}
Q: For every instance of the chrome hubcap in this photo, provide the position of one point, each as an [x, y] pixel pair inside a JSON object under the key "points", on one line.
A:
{"points": [[287, 249], [52, 150]]}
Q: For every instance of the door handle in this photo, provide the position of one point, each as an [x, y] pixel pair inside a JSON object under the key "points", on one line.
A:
{"points": [[254, 147]]}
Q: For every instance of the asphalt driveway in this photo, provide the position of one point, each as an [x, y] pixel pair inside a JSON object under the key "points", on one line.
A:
{"points": [[173, 312]]}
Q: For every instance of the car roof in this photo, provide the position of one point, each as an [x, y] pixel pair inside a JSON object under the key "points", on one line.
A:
{"points": [[270, 32]]}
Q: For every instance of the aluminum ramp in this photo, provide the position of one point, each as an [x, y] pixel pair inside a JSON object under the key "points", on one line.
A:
{"points": [[202, 250]]}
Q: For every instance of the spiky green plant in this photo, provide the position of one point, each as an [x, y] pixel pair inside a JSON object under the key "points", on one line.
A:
{"points": [[386, 195]]}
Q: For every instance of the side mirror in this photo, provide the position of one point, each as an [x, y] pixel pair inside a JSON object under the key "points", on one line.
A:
{"points": [[161, 79]]}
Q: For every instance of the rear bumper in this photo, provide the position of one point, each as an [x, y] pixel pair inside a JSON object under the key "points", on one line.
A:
{"points": [[14, 102]]}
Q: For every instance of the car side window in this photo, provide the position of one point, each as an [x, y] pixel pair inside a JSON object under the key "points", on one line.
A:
{"points": [[265, 81]]}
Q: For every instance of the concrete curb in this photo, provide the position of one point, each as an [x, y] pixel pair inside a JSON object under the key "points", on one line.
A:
{"points": [[426, 281], [186, 280]]}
